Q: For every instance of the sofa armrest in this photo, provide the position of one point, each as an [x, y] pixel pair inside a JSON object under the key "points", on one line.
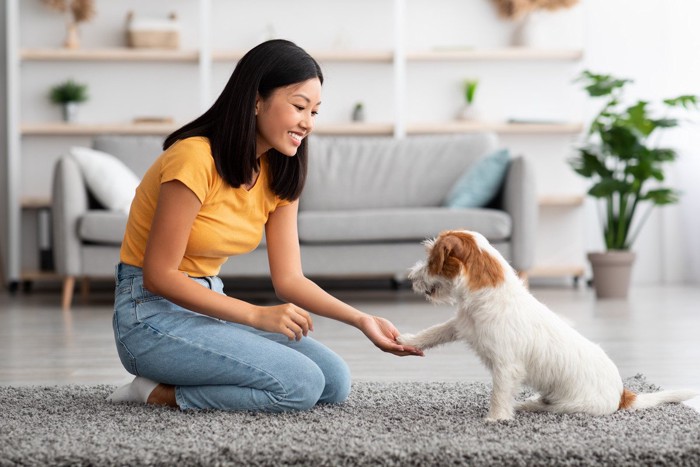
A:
{"points": [[519, 199], [69, 202]]}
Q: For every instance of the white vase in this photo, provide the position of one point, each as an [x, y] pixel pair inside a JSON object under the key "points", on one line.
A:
{"points": [[523, 32], [468, 112], [70, 112]]}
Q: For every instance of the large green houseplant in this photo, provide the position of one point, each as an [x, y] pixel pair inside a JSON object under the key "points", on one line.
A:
{"points": [[625, 163]]}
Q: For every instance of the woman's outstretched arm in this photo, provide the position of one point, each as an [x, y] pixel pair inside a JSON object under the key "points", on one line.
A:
{"points": [[292, 286]]}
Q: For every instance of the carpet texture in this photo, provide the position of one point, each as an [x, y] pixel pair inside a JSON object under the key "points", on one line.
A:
{"points": [[399, 424]]}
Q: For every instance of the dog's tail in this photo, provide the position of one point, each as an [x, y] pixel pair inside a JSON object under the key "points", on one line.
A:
{"points": [[630, 400]]}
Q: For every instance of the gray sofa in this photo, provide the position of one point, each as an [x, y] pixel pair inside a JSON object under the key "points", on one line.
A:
{"points": [[367, 205]]}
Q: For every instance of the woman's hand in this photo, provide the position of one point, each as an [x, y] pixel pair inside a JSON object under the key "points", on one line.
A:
{"points": [[383, 334], [287, 319]]}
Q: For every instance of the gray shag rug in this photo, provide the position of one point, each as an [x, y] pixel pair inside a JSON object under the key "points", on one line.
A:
{"points": [[398, 424]]}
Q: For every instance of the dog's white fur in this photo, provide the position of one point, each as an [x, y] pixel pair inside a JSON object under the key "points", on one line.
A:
{"points": [[518, 338]]}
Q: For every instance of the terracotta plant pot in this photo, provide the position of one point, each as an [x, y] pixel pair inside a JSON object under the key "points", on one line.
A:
{"points": [[612, 271]]}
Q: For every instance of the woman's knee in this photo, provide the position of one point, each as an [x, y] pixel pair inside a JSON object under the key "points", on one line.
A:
{"points": [[303, 390], [338, 383]]}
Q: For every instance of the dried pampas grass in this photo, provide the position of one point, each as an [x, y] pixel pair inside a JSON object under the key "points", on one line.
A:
{"points": [[513, 9], [82, 10]]}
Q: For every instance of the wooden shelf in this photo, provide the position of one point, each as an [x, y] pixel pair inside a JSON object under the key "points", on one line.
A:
{"points": [[503, 127], [40, 276], [556, 271], [35, 203], [504, 54], [121, 54], [84, 129], [349, 129], [561, 200], [362, 56], [109, 55]]}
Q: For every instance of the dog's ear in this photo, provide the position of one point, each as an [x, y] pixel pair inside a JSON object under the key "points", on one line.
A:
{"points": [[446, 256], [454, 250]]}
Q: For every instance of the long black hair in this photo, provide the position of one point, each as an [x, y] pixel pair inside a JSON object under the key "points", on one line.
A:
{"points": [[230, 123]]}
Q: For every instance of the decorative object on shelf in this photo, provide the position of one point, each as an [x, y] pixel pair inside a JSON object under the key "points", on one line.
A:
{"points": [[358, 112], [80, 11], [621, 159], [69, 94], [469, 111], [521, 11], [153, 33], [154, 120]]}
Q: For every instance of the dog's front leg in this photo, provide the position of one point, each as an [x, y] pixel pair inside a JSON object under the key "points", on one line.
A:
{"points": [[505, 383], [431, 337]]}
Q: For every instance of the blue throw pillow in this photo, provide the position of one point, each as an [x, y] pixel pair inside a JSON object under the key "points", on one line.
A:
{"points": [[480, 183]]}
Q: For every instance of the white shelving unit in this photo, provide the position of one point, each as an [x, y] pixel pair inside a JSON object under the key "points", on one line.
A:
{"points": [[204, 57]]}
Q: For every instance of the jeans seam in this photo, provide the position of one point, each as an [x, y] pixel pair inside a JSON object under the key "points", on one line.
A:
{"points": [[121, 342]]}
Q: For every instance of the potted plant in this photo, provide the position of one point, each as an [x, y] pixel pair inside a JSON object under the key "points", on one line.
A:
{"points": [[69, 94], [622, 158], [358, 112], [468, 111]]}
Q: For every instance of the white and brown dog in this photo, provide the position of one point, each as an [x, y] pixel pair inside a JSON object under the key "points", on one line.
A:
{"points": [[518, 338]]}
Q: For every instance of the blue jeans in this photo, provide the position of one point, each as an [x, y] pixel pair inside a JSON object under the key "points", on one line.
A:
{"points": [[218, 364]]}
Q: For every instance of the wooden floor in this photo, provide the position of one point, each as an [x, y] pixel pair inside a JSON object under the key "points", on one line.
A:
{"points": [[656, 332]]}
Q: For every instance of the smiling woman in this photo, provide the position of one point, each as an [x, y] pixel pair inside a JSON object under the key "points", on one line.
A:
{"points": [[222, 180], [287, 116]]}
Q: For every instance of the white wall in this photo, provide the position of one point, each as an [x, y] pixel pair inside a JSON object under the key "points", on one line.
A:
{"points": [[655, 43], [638, 39]]}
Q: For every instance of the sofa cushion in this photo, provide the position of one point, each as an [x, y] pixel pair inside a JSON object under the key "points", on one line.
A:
{"points": [[402, 224], [104, 227], [111, 182], [480, 183], [348, 173]]}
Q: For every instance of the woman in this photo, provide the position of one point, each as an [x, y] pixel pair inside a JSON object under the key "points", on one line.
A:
{"points": [[238, 168]]}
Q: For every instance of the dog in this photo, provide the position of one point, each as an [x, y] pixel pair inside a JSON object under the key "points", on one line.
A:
{"points": [[519, 339]]}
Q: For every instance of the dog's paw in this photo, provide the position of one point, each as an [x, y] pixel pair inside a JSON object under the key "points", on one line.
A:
{"points": [[407, 339], [499, 415], [497, 419]]}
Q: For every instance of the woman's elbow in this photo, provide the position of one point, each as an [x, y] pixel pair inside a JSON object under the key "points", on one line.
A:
{"points": [[152, 280], [285, 288]]}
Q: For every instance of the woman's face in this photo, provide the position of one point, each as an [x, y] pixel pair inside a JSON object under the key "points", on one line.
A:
{"points": [[287, 116]]}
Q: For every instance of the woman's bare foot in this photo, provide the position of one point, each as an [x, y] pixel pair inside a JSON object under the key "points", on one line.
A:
{"points": [[163, 394]]}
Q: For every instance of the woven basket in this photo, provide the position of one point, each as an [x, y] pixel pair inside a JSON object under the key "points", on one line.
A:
{"points": [[154, 39], [153, 33]]}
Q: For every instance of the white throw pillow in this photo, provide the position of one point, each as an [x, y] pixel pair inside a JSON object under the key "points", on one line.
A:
{"points": [[111, 182]]}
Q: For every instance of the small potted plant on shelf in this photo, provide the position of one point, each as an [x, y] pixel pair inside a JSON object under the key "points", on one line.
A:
{"points": [[358, 112], [626, 168], [69, 94], [468, 111]]}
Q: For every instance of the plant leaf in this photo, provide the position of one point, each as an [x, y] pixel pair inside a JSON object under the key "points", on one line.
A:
{"points": [[686, 101], [661, 196]]}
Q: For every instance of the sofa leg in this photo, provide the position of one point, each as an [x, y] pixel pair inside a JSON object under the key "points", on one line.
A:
{"points": [[523, 277], [84, 288], [67, 297]]}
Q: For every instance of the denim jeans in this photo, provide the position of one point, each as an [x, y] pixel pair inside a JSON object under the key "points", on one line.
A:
{"points": [[218, 364]]}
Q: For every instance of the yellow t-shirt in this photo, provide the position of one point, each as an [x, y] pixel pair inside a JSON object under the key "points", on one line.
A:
{"points": [[230, 221]]}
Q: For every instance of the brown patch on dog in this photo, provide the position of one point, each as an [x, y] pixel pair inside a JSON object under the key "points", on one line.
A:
{"points": [[627, 399], [454, 250]]}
